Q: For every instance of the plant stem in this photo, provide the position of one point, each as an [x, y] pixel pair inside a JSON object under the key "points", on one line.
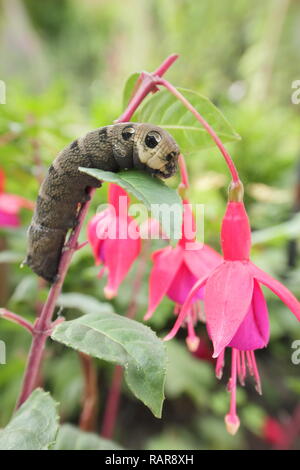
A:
{"points": [[183, 173], [90, 399], [205, 124], [13, 317], [43, 324], [147, 85], [112, 404]]}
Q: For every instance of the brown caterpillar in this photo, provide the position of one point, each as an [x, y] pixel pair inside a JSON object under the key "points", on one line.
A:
{"points": [[111, 148]]}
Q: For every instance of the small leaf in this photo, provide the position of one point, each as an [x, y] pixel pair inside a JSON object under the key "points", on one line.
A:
{"points": [[130, 86], [119, 340], [34, 426], [26, 290], [11, 257], [84, 303], [71, 438], [163, 202], [164, 110]]}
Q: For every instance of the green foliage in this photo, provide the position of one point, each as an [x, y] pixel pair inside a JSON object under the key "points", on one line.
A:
{"points": [[129, 88], [187, 375], [71, 438], [125, 342], [164, 110], [34, 426]]}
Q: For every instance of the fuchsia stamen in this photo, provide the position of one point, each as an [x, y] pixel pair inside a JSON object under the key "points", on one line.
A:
{"points": [[192, 339], [231, 419], [256, 374], [220, 365]]}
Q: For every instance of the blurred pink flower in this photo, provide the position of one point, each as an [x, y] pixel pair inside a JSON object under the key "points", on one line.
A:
{"points": [[274, 432], [235, 307], [175, 271], [115, 240], [10, 206]]}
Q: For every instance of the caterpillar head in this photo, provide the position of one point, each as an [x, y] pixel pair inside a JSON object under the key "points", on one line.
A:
{"points": [[154, 149]]}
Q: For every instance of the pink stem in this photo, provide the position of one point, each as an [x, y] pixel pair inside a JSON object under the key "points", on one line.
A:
{"points": [[42, 326], [183, 172], [147, 86], [13, 317], [112, 405], [205, 124]]}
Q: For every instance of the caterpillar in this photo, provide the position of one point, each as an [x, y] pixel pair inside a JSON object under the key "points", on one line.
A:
{"points": [[112, 148]]}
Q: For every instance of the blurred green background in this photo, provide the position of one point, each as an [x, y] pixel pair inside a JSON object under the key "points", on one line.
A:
{"points": [[65, 63]]}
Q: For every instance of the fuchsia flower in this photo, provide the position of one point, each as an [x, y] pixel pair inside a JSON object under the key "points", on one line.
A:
{"points": [[10, 206], [115, 239], [176, 270], [235, 308]]}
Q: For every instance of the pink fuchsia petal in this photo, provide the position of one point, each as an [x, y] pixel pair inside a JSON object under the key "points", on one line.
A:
{"points": [[166, 265], [12, 204], [151, 229], [9, 220], [97, 231], [119, 255], [119, 198], [279, 289], [202, 260], [185, 310], [254, 331], [228, 294], [182, 284], [236, 232]]}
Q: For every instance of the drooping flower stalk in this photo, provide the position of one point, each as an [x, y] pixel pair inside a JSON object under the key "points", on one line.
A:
{"points": [[190, 107]]}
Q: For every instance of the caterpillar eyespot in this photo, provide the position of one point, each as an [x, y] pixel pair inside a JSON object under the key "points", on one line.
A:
{"points": [[152, 139], [128, 133], [111, 148]]}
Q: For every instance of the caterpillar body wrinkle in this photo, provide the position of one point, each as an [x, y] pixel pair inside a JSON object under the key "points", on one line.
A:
{"points": [[111, 148]]}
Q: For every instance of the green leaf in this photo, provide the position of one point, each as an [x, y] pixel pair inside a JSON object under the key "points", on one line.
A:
{"points": [[71, 438], [129, 88], [11, 257], [84, 303], [163, 202], [186, 374], [119, 340], [281, 232], [34, 426], [164, 110]]}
